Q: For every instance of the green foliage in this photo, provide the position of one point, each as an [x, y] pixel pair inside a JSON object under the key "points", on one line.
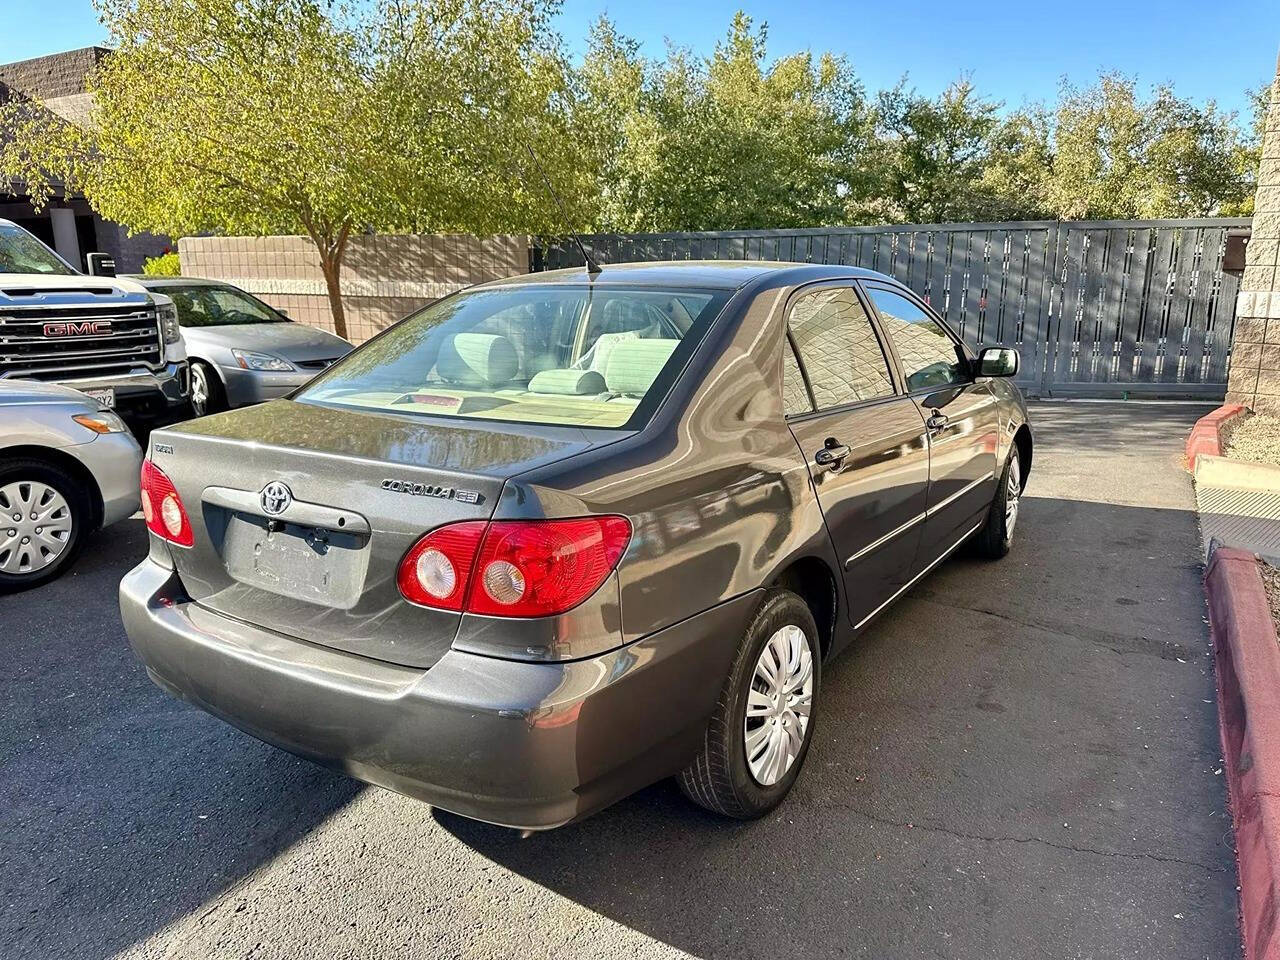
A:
{"points": [[165, 265], [726, 141], [325, 117], [297, 116]]}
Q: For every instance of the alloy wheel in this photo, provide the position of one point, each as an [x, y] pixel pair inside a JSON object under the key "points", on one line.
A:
{"points": [[199, 391], [778, 705], [35, 526], [1012, 492]]}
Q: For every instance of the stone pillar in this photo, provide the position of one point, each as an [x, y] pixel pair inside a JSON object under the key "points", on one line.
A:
{"points": [[65, 239], [1254, 378]]}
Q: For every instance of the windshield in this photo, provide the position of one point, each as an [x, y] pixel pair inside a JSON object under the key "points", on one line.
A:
{"points": [[201, 305], [20, 252], [576, 356]]}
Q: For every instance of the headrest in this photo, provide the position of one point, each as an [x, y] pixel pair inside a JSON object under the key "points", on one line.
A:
{"points": [[622, 315], [635, 364], [567, 382], [477, 359]]}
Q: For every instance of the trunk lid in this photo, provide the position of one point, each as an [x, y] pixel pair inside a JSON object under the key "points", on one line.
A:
{"points": [[362, 488]]}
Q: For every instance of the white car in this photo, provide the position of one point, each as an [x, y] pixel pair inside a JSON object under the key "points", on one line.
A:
{"points": [[67, 467]]}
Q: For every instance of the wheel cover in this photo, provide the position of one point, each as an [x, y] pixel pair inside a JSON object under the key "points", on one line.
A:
{"points": [[1012, 492], [199, 391], [35, 526], [778, 705]]}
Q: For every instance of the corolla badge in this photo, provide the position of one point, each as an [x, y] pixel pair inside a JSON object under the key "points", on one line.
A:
{"points": [[276, 498]]}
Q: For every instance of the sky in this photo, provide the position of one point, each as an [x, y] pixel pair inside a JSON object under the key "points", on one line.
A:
{"points": [[1014, 52]]}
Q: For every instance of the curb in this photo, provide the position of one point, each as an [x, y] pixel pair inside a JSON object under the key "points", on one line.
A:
{"points": [[1205, 435], [1215, 471], [1247, 664]]}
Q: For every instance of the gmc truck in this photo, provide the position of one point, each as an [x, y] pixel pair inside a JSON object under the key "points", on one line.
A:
{"points": [[101, 334]]}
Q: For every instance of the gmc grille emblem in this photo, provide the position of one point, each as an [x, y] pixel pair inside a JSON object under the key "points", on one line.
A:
{"points": [[78, 328]]}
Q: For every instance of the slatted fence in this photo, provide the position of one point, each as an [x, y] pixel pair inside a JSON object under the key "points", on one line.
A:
{"points": [[1096, 308]]}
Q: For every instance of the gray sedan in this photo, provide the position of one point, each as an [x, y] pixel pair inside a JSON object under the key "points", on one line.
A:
{"points": [[67, 467], [242, 350], [553, 538]]}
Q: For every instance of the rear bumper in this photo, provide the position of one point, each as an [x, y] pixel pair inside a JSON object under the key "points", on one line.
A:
{"points": [[528, 745]]}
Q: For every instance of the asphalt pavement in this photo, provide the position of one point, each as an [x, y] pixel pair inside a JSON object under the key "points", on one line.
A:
{"points": [[1020, 760]]}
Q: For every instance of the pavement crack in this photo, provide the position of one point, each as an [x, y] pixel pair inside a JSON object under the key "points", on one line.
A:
{"points": [[1005, 838]]}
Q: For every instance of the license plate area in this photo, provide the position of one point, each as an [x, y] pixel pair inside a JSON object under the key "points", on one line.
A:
{"points": [[325, 567], [104, 395]]}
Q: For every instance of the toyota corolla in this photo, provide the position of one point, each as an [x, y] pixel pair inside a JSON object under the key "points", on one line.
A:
{"points": [[554, 538]]}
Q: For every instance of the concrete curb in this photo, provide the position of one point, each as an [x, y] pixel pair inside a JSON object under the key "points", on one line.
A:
{"points": [[1205, 436], [1247, 663], [1215, 471]]}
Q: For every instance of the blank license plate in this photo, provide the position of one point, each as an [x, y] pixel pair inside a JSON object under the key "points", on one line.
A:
{"points": [[319, 567]]}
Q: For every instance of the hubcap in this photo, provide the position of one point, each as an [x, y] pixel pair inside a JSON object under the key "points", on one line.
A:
{"points": [[199, 391], [1012, 492], [35, 526], [778, 705]]}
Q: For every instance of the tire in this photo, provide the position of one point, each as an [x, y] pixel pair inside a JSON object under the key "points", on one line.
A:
{"points": [[28, 558], [721, 778], [996, 536], [206, 386]]}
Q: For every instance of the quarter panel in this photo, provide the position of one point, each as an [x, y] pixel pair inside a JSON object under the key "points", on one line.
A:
{"points": [[716, 489]]}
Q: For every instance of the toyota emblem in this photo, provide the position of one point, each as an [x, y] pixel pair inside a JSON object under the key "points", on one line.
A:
{"points": [[276, 498]]}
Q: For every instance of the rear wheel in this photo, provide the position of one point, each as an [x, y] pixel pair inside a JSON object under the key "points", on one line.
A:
{"points": [[44, 516], [206, 390], [760, 733], [996, 536]]}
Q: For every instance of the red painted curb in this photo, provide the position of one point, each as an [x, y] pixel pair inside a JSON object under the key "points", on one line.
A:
{"points": [[1204, 436], [1247, 663]]}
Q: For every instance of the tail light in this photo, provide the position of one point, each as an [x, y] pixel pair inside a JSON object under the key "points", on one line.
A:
{"points": [[513, 568], [162, 507]]}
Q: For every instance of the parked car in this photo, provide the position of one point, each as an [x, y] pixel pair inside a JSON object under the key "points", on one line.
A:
{"points": [[102, 334], [242, 350], [553, 538], [68, 466]]}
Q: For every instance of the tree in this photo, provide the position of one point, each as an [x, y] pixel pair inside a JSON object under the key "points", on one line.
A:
{"points": [[296, 116], [720, 142], [1120, 156]]}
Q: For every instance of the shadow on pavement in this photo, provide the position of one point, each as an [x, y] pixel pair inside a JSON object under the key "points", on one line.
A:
{"points": [[1018, 760], [122, 809]]}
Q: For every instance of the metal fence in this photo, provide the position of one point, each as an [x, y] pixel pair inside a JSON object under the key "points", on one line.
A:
{"points": [[1101, 308]]}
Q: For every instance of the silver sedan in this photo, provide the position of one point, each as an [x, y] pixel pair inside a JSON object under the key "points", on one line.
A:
{"points": [[242, 350], [67, 467]]}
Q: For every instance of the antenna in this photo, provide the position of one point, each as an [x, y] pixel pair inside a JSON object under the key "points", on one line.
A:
{"points": [[592, 267]]}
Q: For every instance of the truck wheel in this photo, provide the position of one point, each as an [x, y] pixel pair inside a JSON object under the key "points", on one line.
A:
{"points": [[206, 390], [44, 518], [760, 732]]}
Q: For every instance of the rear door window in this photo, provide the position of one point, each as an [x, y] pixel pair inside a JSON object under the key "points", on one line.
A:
{"points": [[839, 348]]}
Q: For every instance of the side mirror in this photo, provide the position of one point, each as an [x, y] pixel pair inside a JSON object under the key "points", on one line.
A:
{"points": [[100, 264], [997, 362], [283, 313]]}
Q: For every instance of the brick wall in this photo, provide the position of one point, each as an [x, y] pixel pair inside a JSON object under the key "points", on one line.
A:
{"points": [[384, 276], [1254, 377]]}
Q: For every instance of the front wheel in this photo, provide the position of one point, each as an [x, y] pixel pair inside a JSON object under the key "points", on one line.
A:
{"points": [[760, 732], [996, 536], [43, 518], [206, 391]]}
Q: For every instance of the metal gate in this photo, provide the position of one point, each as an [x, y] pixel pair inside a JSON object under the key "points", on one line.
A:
{"points": [[1104, 308]]}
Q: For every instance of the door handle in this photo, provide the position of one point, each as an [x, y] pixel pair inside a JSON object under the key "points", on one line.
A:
{"points": [[937, 421], [832, 455]]}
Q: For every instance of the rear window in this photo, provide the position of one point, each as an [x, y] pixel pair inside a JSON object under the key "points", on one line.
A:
{"points": [[589, 356]]}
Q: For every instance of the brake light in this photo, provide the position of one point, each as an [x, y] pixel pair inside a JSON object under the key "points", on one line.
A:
{"points": [[436, 570], [162, 507], [513, 568]]}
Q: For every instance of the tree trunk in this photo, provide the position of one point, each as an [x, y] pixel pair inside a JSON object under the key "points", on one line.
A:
{"points": [[331, 267]]}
